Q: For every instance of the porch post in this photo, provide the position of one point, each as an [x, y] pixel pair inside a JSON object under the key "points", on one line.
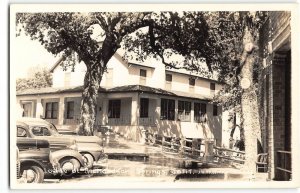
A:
{"points": [[61, 110], [104, 112], [39, 112], [176, 110], [134, 109], [135, 132], [19, 108], [157, 112], [192, 112]]}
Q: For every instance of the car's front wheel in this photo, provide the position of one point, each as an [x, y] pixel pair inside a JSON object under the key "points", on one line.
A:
{"points": [[69, 166], [88, 160], [33, 174]]}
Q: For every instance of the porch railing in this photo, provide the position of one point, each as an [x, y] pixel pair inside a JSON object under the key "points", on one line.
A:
{"points": [[229, 154], [123, 120], [284, 163], [193, 148]]}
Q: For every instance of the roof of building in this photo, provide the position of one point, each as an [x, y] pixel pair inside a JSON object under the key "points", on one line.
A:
{"points": [[147, 64], [140, 65], [139, 88], [51, 90], [57, 63], [119, 89], [197, 76]]}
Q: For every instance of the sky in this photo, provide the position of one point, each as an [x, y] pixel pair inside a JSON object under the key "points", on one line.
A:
{"points": [[30, 53]]}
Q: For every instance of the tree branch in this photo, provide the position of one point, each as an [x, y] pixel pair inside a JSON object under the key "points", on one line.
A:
{"points": [[102, 22]]}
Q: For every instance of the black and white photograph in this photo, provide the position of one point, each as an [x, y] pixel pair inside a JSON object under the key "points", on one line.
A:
{"points": [[152, 96]]}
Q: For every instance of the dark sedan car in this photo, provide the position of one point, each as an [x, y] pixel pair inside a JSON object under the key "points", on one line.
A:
{"points": [[88, 146], [35, 160]]}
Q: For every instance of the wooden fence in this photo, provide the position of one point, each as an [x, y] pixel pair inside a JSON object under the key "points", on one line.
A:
{"points": [[229, 154], [189, 147]]}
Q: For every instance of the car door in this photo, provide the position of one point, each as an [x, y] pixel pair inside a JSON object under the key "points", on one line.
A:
{"points": [[43, 132], [22, 133]]}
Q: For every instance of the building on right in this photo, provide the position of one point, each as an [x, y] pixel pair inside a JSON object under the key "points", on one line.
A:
{"points": [[275, 93]]}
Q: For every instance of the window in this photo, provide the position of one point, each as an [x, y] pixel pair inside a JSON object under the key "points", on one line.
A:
{"points": [[212, 87], [167, 109], [192, 81], [184, 111], [168, 85], [169, 77], [143, 73], [144, 107], [70, 109], [199, 112], [51, 110], [114, 108], [40, 131], [215, 110], [21, 132], [143, 76]]}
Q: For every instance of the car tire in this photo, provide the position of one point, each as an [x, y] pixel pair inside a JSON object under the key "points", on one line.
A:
{"points": [[69, 166], [36, 171], [89, 160]]}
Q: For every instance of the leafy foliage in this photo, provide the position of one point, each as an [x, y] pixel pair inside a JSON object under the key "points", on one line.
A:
{"points": [[41, 78], [227, 29]]}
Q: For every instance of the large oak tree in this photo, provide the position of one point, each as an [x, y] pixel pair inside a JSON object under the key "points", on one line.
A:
{"points": [[64, 33]]}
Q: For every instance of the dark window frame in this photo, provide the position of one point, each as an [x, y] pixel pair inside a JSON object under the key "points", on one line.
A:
{"points": [[192, 81], [184, 110], [51, 110], [212, 87], [144, 107], [167, 109], [215, 110], [70, 110], [169, 77], [200, 112], [143, 73], [114, 108]]}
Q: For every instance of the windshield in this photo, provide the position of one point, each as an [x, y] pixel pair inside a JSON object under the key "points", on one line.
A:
{"points": [[44, 130]]}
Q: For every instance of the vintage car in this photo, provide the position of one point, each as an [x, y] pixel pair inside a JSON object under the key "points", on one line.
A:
{"points": [[88, 146], [33, 163], [35, 160]]}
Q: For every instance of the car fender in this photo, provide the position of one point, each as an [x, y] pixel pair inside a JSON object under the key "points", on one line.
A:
{"points": [[59, 154], [92, 148], [28, 162]]}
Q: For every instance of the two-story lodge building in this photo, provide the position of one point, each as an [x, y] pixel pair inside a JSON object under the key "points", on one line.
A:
{"points": [[133, 98]]}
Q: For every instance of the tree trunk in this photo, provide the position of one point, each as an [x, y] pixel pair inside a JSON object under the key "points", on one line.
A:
{"points": [[249, 104], [90, 93], [233, 125]]}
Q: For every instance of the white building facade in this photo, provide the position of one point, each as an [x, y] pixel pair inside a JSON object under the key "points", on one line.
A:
{"points": [[133, 98]]}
